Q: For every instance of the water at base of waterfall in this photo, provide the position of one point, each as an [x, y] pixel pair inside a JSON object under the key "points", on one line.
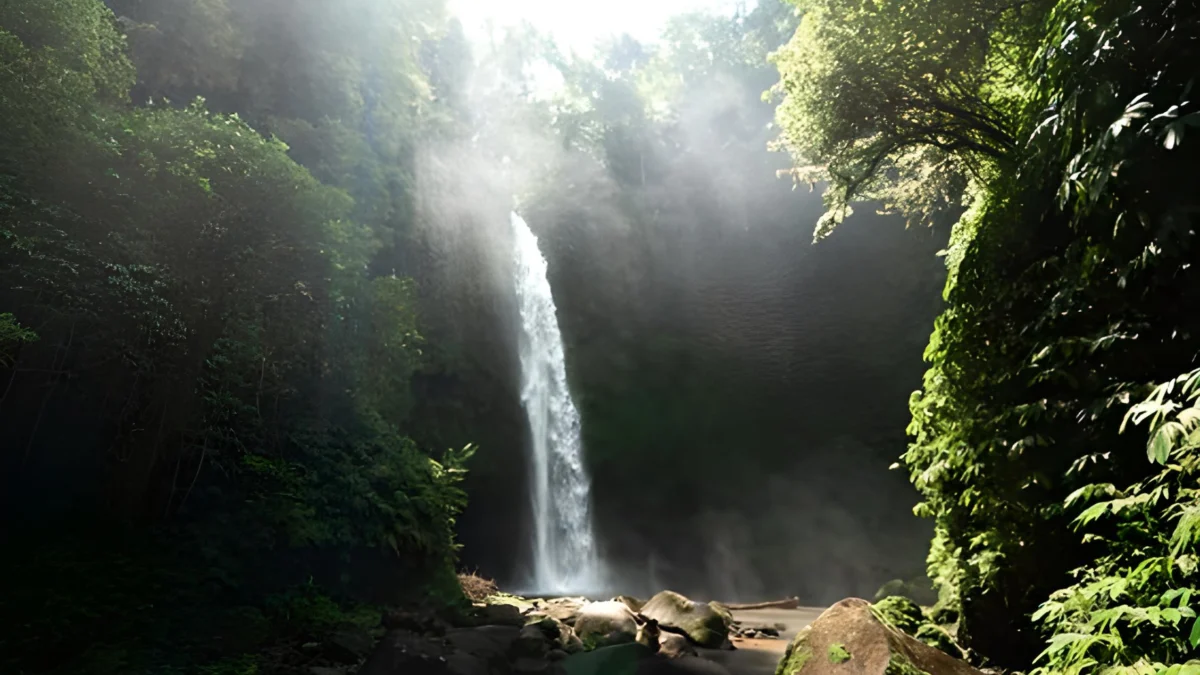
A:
{"points": [[564, 548]]}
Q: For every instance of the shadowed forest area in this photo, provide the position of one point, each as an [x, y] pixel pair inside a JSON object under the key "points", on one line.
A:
{"points": [[852, 293]]}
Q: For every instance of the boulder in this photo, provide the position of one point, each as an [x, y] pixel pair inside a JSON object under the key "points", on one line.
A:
{"points": [[531, 666], [647, 632], [459, 663], [673, 646], [631, 602], [492, 644], [623, 659], [501, 614], [517, 601], [570, 642], [405, 653], [602, 619], [565, 610], [849, 638], [530, 643], [702, 624], [560, 634], [724, 611]]}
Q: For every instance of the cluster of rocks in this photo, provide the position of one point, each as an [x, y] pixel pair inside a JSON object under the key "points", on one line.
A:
{"points": [[666, 635], [755, 631], [509, 635]]}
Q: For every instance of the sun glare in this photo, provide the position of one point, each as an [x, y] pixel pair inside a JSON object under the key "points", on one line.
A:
{"points": [[578, 26]]}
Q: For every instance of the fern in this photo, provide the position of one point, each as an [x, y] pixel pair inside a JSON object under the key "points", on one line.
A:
{"points": [[1132, 610]]}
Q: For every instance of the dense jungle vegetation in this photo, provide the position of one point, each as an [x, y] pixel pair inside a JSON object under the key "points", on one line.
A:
{"points": [[251, 328], [209, 356], [1062, 389]]}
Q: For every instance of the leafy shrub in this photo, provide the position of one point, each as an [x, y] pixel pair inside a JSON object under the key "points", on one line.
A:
{"points": [[1132, 609]]}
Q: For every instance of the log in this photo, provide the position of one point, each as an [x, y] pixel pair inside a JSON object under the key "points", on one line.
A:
{"points": [[789, 603]]}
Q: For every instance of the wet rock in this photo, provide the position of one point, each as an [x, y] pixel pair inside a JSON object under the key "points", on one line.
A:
{"points": [[602, 619], [500, 615], [631, 602], [560, 634], [570, 642], [566, 610], [459, 663], [490, 643], [673, 646], [405, 653], [623, 659], [724, 612], [531, 666], [703, 624], [647, 632], [850, 638], [523, 605], [531, 642]]}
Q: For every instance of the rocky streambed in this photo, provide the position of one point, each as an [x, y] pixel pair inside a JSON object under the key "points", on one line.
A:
{"points": [[667, 634]]}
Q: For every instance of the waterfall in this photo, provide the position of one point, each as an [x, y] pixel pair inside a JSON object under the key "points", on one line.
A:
{"points": [[564, 549]]}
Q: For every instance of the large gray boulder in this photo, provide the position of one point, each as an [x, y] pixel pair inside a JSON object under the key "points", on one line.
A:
{"points": [[702, 624], [601, 620], [565, 610], [849, 638]]}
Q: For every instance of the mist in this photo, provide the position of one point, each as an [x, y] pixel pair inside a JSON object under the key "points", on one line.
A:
{"points": [[743, 391]]}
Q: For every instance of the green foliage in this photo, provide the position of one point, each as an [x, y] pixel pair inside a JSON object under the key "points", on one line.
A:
{"points": [[901, 102], [936, 637], [1131, 608], [898, 664], [79, 36], [1058, 130], [12, 335], [218, 375], [796, 655], [838, 653], [906, 616], [900, 612]]}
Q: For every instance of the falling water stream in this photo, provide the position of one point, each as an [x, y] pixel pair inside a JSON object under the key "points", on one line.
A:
{"points": [[564, 553]]}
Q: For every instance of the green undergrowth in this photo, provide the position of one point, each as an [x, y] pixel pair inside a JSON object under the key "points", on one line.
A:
{"points": [[838, 653], [797, 654], [898, 664], [907, 617], [111, 605]]}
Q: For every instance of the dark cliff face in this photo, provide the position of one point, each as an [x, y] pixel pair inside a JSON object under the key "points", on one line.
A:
{"points": [[744, 391]]}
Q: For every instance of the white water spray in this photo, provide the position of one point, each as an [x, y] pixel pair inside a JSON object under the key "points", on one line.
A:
{"points": [[564, 554]]}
